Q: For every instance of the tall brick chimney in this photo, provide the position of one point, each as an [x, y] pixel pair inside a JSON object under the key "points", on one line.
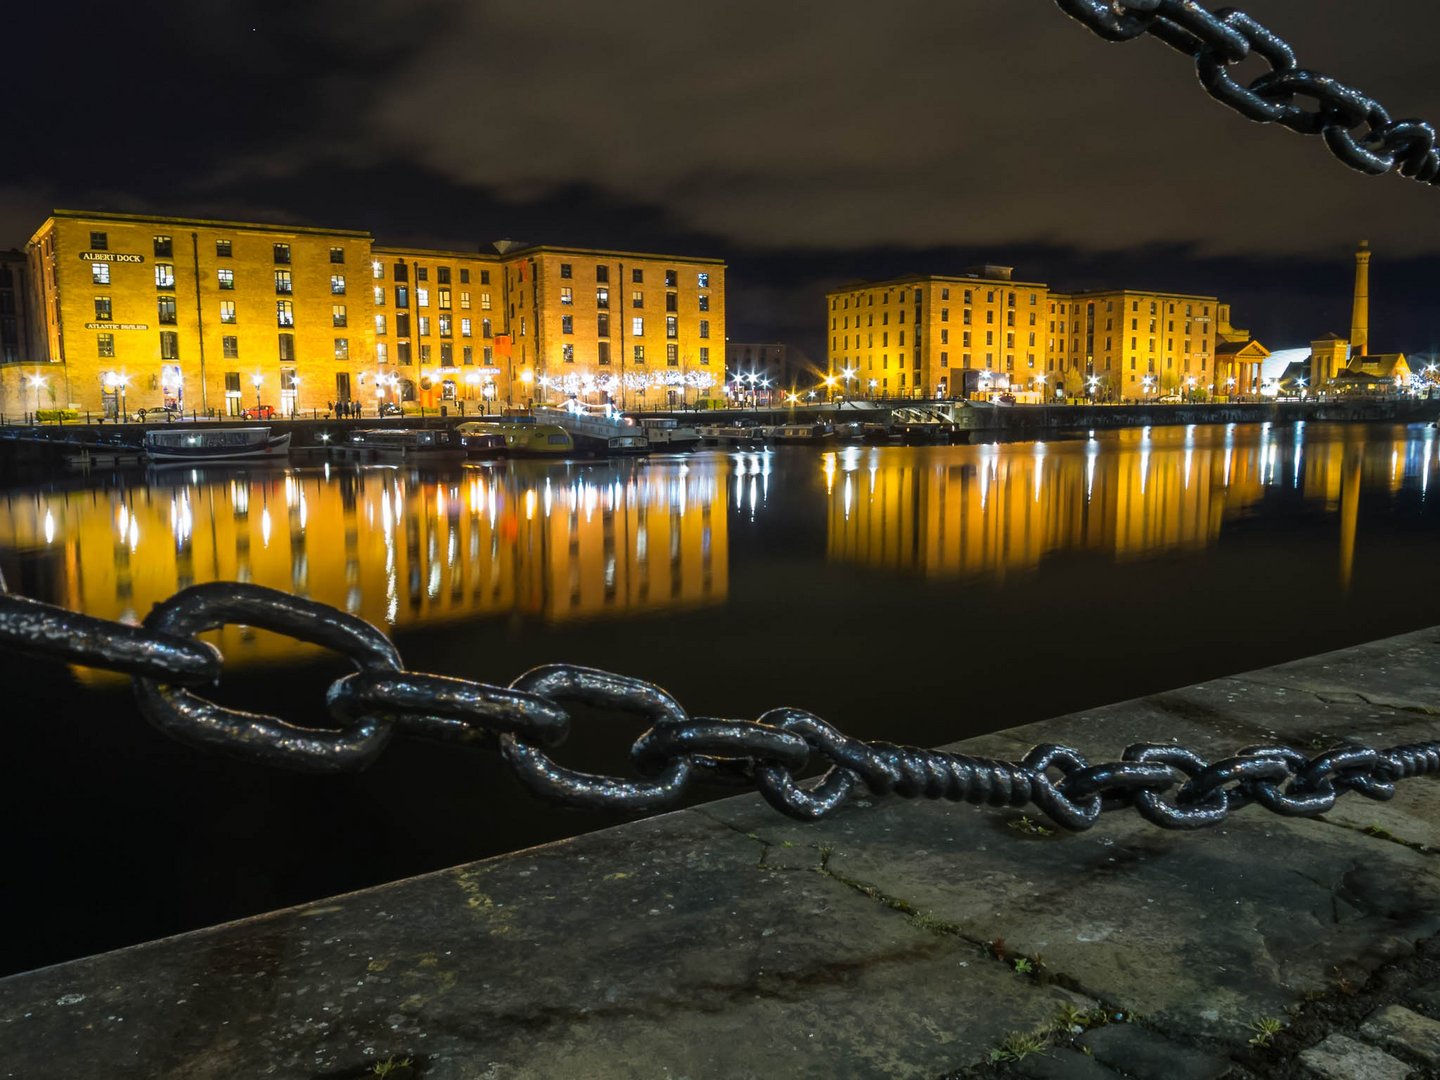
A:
{"points": [[1360, 314]]}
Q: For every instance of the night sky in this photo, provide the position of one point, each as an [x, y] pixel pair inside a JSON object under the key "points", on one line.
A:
{"points": [[808, 143]]}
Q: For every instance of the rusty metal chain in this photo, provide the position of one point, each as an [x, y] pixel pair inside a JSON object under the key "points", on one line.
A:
{"points": [[1357, 128], [523, 721]]}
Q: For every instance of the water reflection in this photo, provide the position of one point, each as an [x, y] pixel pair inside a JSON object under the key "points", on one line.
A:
{"points": [[994, 509], [392, 546]]}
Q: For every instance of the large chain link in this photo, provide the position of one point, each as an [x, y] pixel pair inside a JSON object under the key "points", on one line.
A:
{"points": [[522, 721], [1356, 127]]}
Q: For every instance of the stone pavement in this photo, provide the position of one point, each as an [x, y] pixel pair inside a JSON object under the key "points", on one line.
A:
{"points": [[899, 939]]}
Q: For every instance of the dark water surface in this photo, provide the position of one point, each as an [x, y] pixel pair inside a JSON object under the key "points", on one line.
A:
{"points": [[918, 595]]}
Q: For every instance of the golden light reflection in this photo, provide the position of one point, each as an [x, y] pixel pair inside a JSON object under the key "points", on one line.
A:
{"points": [[556, 543], [997, 508]]}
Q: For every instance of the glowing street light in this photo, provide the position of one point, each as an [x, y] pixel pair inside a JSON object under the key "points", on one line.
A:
{"points": [[37, 381], [256, 380]]}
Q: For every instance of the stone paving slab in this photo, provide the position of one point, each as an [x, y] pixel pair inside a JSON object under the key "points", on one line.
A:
{"points": [[896, 939]]}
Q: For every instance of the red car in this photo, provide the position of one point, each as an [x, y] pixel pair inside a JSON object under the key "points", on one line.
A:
{"points": [[259, 412]]}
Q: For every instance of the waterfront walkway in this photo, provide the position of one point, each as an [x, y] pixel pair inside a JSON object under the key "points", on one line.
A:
{"points": [[898, 939]]}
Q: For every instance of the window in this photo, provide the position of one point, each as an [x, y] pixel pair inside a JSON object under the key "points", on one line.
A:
{"points": [[282, 254], [464, 301], [99, 241], [484, 277], [702, 280], [164, 247], [337, 284], [342, 348], [672, 355], [402, 296], [283, 285], [670, 279], [602, 352], [337, 255], [230, 347], [424, 354], [424, 325], [602, 324], [164, 275], [467, 353], [565, 271], [105, 344], [100, 273], [444, 321], [602, 273], [637, 299], [704, 302], [567, 353], [442, 275], [225, 278], [567, 295], [337, 315], [442, 299], [567, 324], [464, 276], [944, 314], [464, 327], [286, 346], [165, 310], [402, 352], [227, 311], [672, 326], [102, 309], [422, 273], [380, 325], [447, 354], [602, 298], [484, 301], [637, 276], [379, 295], [485, 330], [639, 354], [377, 270], [284, 313], [671, 302], [944, 337], [422, 296], [637, 326], [169, 345], [704, 328], [382, 352], [704, 353]]}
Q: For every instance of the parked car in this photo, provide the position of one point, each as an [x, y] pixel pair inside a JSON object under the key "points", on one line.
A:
{"points": [[157, 414], [389, 408], [259, 412]]}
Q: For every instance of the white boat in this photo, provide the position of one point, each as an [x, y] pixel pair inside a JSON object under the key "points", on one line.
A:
{"points": [[736, 433], [519, 435], [602, 433], [216, 444], [664, 433]]}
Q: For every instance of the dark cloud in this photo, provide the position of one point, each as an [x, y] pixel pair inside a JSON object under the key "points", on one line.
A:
{"points": [[807, 142]]}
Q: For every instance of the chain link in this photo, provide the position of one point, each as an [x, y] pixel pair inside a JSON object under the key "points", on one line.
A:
{"points": [[167, 662], [1357, 128]]}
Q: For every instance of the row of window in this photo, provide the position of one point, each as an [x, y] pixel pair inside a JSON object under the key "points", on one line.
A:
{"points": [[1010, 299], [637, 354], [637, 299], [445, 325], [401, 272], [164, 247], [444, 298], [637, 276]]}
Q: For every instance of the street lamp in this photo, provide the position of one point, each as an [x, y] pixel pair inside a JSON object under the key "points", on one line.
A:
{"points": [[1146, 384], [1092, 383], [37, 381], [847, 375], [294, 394], [873, 384], [255, 381]]}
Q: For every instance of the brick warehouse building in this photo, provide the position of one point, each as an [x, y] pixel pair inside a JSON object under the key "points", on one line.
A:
{"points": [[132, 311]]}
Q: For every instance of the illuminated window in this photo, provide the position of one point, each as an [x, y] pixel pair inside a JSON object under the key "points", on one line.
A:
{"points": [[704, 302], [337, 284], [165, 310], [637, 299], [464, 327], [402, 296], [382, 352], [639, 354], [602, 298], [637, 326], [102, 309], [424, 325], [225, 278], [464, 301], [342, 348], [282, 254], [227, 311], [164, 275], [377, 270], [380, 324], [379, 295], [283, 284], [337, 315], [567, 324], [230, 347], [284, 313], [444, 321], [442, 299], [672, 326], [422, 296], [105, 344], [702, 280], [567, 353], [484, 301]]}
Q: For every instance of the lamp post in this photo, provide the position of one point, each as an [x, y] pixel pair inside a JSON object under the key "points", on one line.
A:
{"points": [[873, 384], [847, 375], [37, 381], [1145, 384], [294, 395], [255, 381]]}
